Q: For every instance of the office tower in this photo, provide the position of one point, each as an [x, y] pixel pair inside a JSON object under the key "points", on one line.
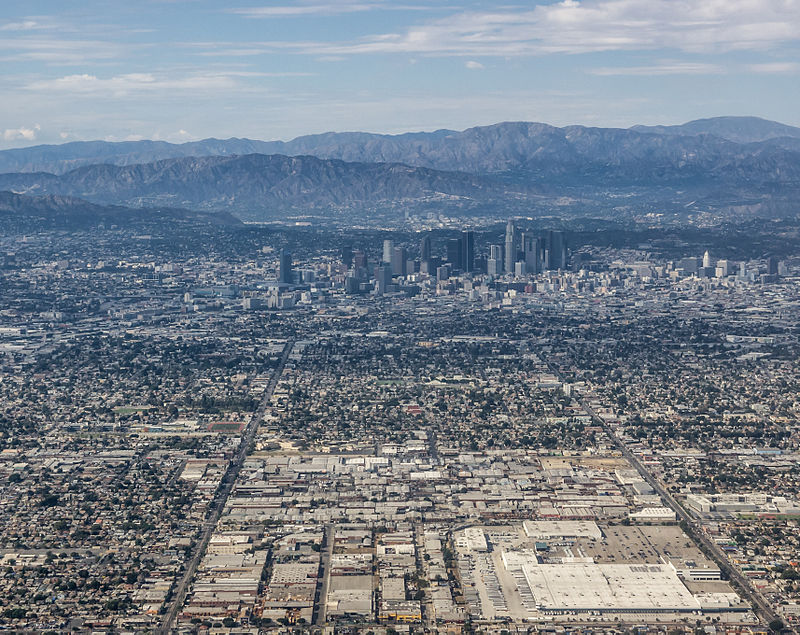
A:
{"points": [[351, 283], [511, 247], [425, 249], [531, 251], [388, 246], [468, 251], [493, 267], [442, 272], [723, 268], [359, 259], [347, 256], [555, 246], [496, 252], [772, 266], [383, 278], [285, 271], [689, 265], [520, 269], [454, 253], [399, 261]]}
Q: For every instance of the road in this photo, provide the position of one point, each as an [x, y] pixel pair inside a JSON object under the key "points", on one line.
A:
{"points": [[428, 613], [325, 569], [221, 497]]}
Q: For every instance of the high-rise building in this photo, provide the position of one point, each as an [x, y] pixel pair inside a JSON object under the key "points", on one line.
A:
{"points": [[772, 266], [468, 251], [454, 253], [689, 265], [706, 259], [532, 252], [493, 267], [510, 256], [383, 278], [399, 261], [425, 249], [285, 271], [359, 259], [555, 246], [388, 245], [496, 252], [347, 256]]}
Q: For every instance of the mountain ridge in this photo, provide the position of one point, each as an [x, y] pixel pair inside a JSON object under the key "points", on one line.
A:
{"points": [[519, 167], [54, 211], [260, 186], [480, 149]]}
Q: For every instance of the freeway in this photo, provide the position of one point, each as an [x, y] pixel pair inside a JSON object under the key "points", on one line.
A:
{"points": [[221, 497]]}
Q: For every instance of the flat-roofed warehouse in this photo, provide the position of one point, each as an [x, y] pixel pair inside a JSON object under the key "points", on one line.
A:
{"points": [[584, 585], [551, 529]]}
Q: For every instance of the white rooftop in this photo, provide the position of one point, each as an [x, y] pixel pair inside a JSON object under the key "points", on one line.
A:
{"points": [[609, 587], [548, 529]]}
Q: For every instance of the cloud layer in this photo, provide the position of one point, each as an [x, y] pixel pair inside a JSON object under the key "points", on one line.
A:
{"points": [[593, 26]]}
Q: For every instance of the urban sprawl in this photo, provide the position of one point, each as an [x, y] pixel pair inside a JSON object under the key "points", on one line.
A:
{"points": [[503, 431]]}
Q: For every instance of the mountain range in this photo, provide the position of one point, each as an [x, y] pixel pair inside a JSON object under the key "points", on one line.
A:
{"points": [[258, 186], [725, 162], [492, 148]]}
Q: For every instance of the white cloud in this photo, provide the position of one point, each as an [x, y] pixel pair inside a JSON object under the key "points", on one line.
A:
{"points": [[21, 134], [662, 68], [774, 67], [25, 25], [332, 8], [56, 51], [473, 65], [132, 83], [589, 26]]}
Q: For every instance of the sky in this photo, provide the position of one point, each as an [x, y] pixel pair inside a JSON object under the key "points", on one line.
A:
{"points": [[180, 70]]}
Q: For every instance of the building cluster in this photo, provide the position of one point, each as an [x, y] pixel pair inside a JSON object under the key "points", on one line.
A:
{"points": [[260, 434]]}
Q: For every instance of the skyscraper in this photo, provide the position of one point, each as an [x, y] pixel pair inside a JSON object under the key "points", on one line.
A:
{"points": [[359, 259], [285, 271], [494, 265], [454, 253], [532, 252], [555, 244], [511, 247], [425, 249], [388, 245], [772, 266], [347, 256], [383, 278], [468, 251], [399, 261]]}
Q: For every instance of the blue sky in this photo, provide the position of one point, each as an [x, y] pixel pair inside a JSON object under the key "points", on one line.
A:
{"points": [[179, 70]]}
